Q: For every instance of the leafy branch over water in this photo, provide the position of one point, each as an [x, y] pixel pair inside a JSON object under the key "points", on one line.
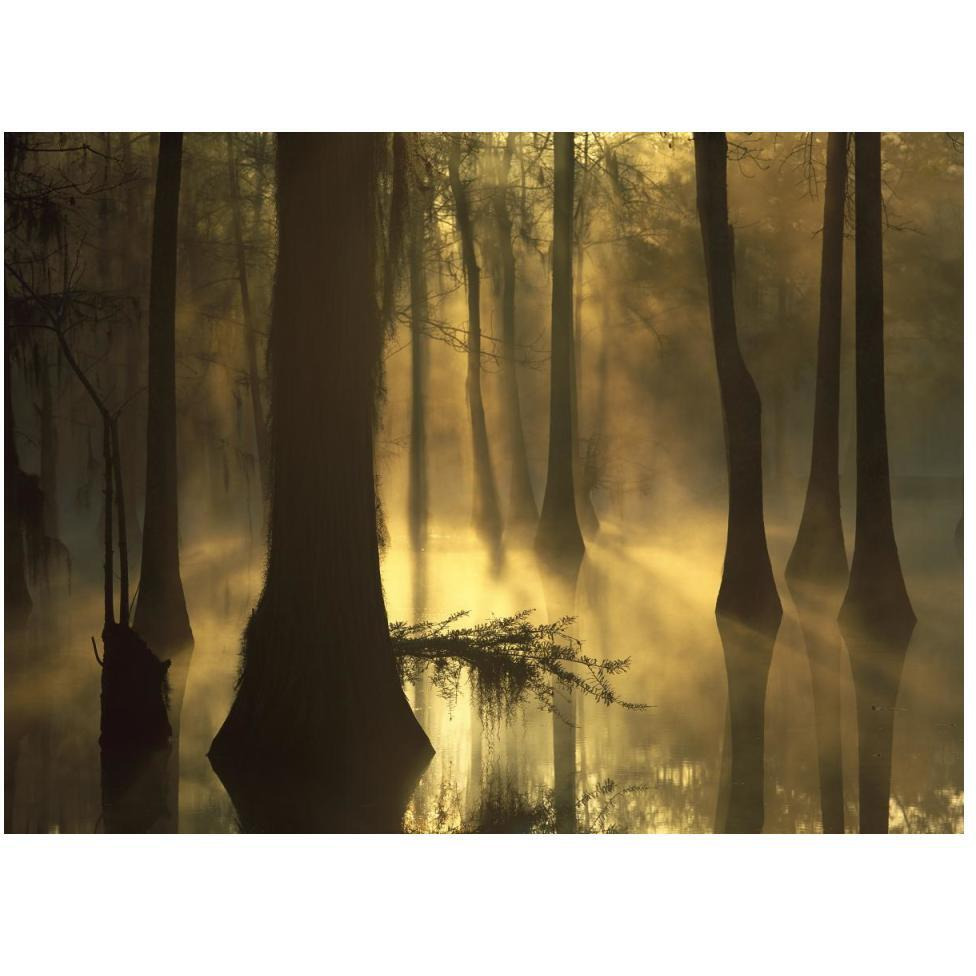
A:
{"points": [[508, 660]]}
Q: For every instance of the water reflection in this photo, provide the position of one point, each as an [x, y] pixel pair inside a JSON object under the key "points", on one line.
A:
{"points": [[748, 655], [650, 599], [288, 800], [817, 611], [136, 793]]}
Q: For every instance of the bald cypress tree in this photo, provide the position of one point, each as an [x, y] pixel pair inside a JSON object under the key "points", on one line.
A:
{"points": [[817, 568], [559, 542], [161, 617], [319, 696], [487, 515], [876, 618], [748, 609], [523, 515]]}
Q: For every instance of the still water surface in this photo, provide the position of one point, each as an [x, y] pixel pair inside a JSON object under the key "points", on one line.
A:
{"points": [[650, 599]]}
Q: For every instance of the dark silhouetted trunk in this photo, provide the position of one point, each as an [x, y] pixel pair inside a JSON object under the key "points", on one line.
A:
{"points": [[49, 453], [133, 421], [559, 542], [17, 603], [599, 449], [161, 616], [108, 575], [876, 618], [583, 468], [487, 517], [250, 336], [819, 555], [523, 516], [817, 568], [417, 491], [119, 484], [319, 699], [748, 607]]}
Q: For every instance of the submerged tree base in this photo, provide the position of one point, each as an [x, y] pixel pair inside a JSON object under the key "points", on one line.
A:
{"points": [[134, 692], [877, 640], [284, 798]]}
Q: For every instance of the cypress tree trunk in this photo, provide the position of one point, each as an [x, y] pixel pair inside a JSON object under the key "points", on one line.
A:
{"points": [[250, 338], [49, 453], [133, 421], [601, 436], [416, 244], [487, 517], [523, 516], [319, 704], [748, 607], [418, 200], [817, 568], [582, 462], [559, 543], [876, 618], [17, 603], [161, 616], [819, 554]]}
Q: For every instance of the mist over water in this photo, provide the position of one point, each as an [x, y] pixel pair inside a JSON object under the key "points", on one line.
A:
{"points": [[635, 599], [651, 455]]}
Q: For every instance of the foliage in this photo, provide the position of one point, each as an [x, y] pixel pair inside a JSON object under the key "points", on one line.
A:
{"points": [[508, 661]]}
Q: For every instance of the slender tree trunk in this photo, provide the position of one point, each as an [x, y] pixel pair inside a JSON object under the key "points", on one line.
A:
{"points": [[817, 568], [17, 603], [49, 453], [819, 554], [748, 607], [417, 503], [319, 707], [582, 461], [487, 517], [523, 516], [876, 617], [250, 337], [601, 436], [109, 554], [559, 543], [132, 420], [417, 490], [123, 530], [161, 616]]}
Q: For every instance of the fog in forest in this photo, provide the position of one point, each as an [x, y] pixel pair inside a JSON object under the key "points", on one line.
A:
{"points": [[489, 395]]}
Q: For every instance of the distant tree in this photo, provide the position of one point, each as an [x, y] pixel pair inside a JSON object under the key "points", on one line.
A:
{"points": [[817, 568], [584, 473], [876, 618], [17, 506], [748, 607], [559, 542], [161, 615], [523, 515], [418, 205], [487, 515], [250, 329]]}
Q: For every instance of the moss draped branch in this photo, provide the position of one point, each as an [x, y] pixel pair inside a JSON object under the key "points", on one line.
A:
{"points": [[507, 660]]}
